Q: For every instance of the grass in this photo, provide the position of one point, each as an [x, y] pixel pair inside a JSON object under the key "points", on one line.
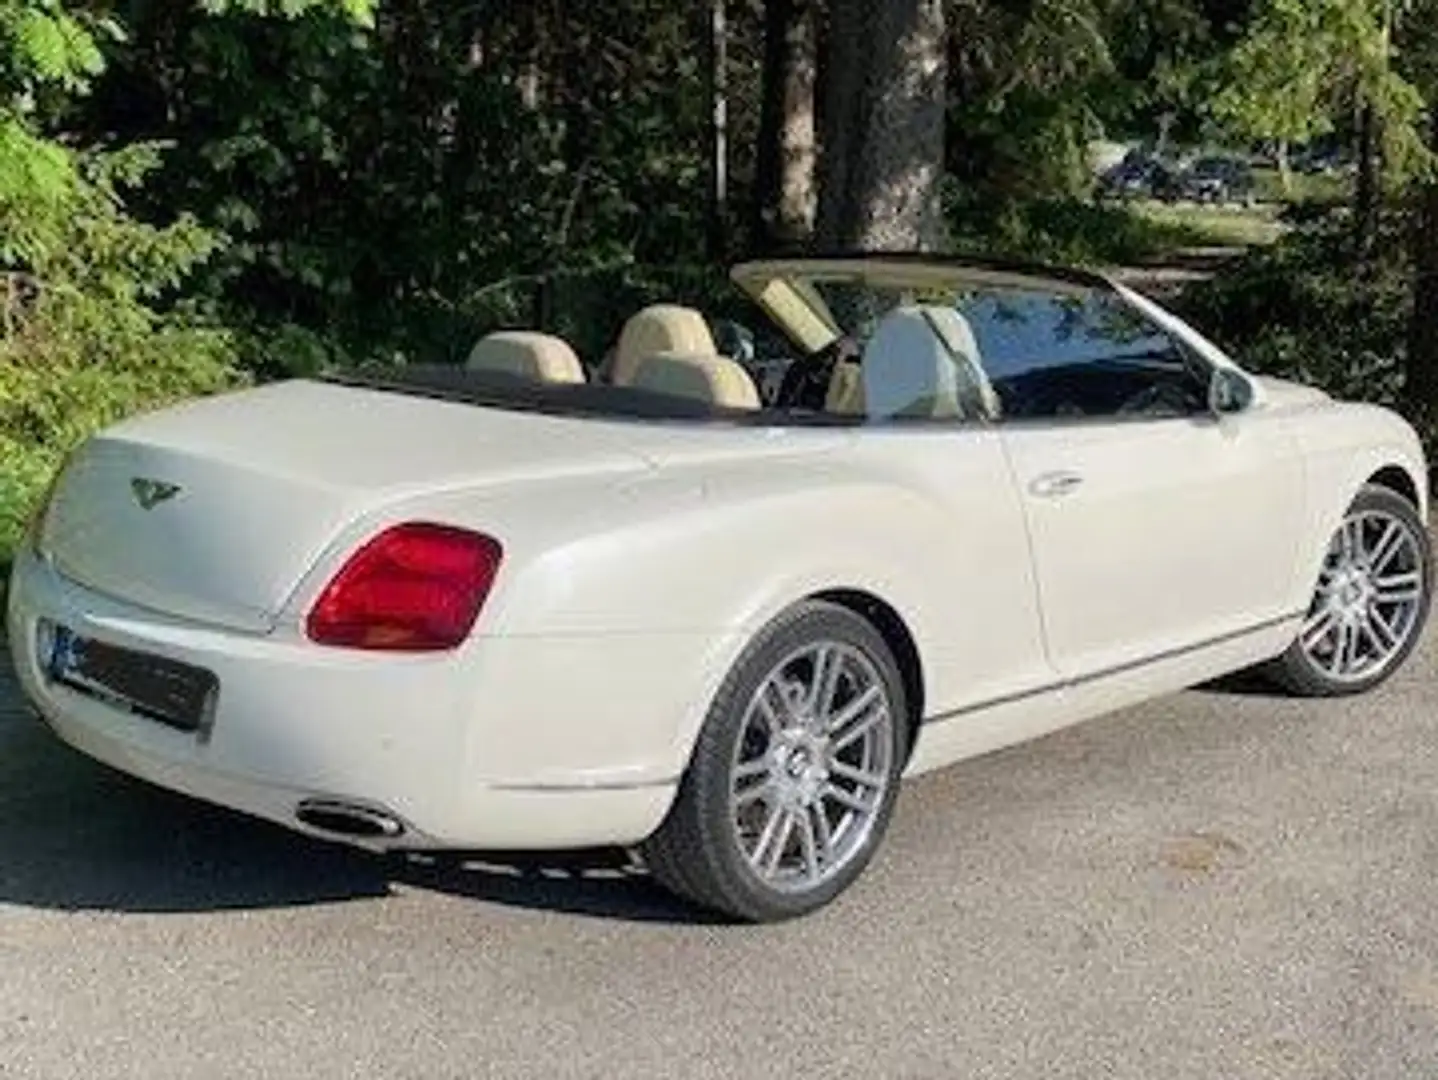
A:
{"points": [[1216, 226], [1080, 233], [1068, 232], [1307, 187]]}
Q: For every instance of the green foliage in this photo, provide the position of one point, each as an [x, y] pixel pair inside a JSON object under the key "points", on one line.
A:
{"points": [[1326, 190], [1026, 84], [1066, 231], [81, 344], [1304, 63], [44, 44], [359, 12], [1302, 309], [370, 181]]}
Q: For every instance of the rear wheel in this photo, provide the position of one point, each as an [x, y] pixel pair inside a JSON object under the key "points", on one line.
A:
{"points": [[793, 778], [1369, 604]]}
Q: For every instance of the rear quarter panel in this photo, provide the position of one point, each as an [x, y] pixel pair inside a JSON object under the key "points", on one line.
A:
{"points": [[625, 601]]}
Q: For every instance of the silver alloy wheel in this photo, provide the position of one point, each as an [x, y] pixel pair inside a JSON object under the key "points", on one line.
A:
{"points": [[811, 765], [1369, 597]]}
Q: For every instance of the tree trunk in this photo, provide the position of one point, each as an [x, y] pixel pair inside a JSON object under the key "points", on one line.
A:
{"points": [[1365, 195], [1420, 386], [1285, 168], [882, 125], [786, 154], [718, 130]]}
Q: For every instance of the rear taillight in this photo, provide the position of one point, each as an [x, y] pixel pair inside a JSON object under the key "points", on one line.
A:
{"points": [[416, 587]]}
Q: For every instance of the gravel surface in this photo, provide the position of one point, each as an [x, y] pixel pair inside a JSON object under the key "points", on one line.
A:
{"points": [[1220, 884]]}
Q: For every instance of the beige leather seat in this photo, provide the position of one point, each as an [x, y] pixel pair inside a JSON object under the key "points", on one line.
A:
{"points": [[714, 379], [660, 328], [530, 355], [908, 370]]}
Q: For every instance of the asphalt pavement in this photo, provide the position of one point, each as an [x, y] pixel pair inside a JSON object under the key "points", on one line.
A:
{"points": [[1220, 884]]}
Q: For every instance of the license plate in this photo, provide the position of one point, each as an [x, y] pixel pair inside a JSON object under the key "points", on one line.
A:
{"points": [[156, 687]]}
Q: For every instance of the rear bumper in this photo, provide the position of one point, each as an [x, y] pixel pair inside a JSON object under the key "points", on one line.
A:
{"points": [[409, 736]]}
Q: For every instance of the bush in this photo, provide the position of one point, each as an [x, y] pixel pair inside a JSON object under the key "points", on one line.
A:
{"points": [[58, 384], [1066, 231], [1305, 309], [85, 335]]}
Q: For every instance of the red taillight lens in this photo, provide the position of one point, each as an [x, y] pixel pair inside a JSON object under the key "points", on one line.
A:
{"points": [[413, 588]]}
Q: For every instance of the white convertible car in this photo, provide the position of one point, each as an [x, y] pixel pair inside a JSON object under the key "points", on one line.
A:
{"points": [[520, 604]]}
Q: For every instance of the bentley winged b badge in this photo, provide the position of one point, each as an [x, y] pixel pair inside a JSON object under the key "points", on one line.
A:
{"points": [[151, 493]]}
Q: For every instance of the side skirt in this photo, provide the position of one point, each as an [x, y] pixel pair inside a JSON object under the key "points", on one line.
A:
{"points": [[980, 729]]}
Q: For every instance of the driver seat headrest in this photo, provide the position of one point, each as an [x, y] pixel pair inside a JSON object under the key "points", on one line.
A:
{"points": [[908, 369]]}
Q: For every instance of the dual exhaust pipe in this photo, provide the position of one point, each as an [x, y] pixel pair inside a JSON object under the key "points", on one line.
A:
{"points": [[349, 820]]}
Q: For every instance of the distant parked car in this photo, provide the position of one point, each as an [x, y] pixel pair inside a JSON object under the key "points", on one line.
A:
{"points": [[1138, 177], [1217, 180]]}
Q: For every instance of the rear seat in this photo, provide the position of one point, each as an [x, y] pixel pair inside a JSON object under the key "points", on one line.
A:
{"points": [[528, 354], [659, 328], [714, 379]]}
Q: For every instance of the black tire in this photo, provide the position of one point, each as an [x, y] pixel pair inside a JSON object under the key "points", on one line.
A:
{"points": [[695, 852], [1294, 670]]}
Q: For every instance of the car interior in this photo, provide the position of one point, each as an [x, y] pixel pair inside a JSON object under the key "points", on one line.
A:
{"points": [[914, 354], [921, 361]]}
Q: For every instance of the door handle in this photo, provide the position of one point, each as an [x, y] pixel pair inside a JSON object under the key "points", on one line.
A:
{"points": [[1053, 485]]}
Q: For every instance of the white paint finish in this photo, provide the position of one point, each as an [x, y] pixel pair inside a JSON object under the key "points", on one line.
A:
{"points": [[268, 477], [1342, 447], [955, 560], [640, 558], [1172, 531], [271, 477], [948, 739], [445, 742]]}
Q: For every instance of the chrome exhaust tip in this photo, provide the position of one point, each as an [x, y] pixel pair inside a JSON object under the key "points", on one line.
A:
{"points": [[347, 819]]}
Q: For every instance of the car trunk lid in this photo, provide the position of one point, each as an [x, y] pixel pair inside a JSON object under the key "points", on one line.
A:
{"points": [[215, 510]]}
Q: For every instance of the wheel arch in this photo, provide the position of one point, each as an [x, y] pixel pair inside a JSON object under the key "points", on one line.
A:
{"points": [[1345, 448], [890, 625], [1399, 480]]}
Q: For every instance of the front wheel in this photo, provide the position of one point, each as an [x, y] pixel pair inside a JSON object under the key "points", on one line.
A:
{"points": [[793, 778], [1370, 602]]}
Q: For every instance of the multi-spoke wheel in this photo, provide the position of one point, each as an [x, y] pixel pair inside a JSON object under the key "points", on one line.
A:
{"points": [[793, 778], [1370, 602]]}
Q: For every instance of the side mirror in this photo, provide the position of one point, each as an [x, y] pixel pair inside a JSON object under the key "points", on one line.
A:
{"points": [[1228, 392]]}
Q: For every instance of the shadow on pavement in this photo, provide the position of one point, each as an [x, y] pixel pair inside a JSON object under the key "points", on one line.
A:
{"points": [[75, 835], [1243, 684]]}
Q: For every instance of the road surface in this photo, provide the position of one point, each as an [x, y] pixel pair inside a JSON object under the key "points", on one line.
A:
{"points": [[1221, 884]]}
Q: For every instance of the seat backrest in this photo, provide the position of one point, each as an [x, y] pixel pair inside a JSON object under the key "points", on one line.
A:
{"points": [[908, 371], [976, 393], [714, 379], [660, 328], [531, 355]]}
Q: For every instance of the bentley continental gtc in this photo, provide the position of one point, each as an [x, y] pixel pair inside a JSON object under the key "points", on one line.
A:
{"points": [[711, 604]]}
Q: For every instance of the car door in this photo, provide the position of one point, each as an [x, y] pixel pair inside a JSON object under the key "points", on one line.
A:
{"points": [[1155, 526]]}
